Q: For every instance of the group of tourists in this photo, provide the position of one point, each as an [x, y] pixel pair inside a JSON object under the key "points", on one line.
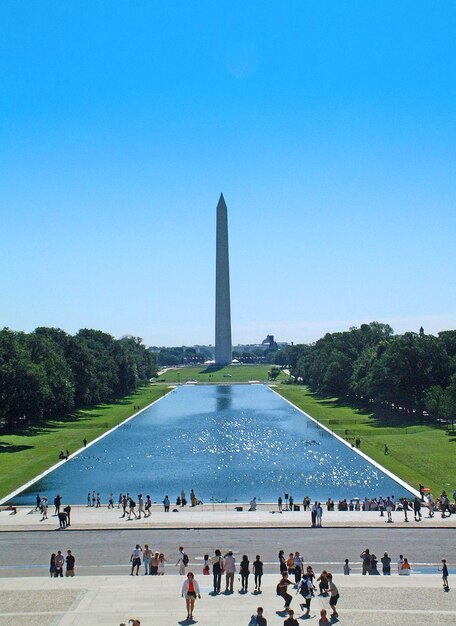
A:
{"points": [[58, 562], [226, 566], [370, 564], [385, 506], [153, 562], [441, 505], [63, 513], [304, 582]]}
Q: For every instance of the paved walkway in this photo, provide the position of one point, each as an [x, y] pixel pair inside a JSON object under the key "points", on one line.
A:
{"points": [[211, 516], [103, 600]]}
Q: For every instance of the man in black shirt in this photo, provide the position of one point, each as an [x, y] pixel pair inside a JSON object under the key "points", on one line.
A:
{"points": [[70, 561]]}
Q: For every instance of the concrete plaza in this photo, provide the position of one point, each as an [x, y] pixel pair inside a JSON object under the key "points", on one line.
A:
{"points": [[104, 600], [212, 516], [112, 599]]}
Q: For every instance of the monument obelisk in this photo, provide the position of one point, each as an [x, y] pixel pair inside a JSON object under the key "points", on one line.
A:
{"points": [[223, 349]]}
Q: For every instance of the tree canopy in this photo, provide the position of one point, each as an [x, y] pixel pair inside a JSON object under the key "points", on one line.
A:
{"points": [[48, 373], [412, 372]]}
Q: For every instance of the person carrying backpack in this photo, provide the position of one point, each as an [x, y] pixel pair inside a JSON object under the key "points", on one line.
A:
{"points": [[182, 561]]}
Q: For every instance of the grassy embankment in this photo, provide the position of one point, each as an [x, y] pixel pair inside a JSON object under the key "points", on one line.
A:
{"points": [[210, 374], [419, 452], [23, 456]]}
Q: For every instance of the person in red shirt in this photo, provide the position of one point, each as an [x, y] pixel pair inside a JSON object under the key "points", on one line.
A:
{"points": [[190, 589]]}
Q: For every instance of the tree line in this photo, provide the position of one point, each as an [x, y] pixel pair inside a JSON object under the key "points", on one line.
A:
{"points": [[48, 373], [413, 372]]}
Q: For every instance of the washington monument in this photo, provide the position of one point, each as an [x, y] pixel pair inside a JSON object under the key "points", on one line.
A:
{"points": [[223, 349]]}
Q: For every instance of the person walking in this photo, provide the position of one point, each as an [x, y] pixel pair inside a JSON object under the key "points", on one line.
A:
{"points": [[417, 509], [166, 504], [182, 561], [70, 563], [306, 589], [44, 508], [279, 503], [282, 589], [334, 593], [258, 572], [148, 506], [230, 570], [244, 571], [445, 575], [405, 508], [218, 565], [141, 506], [323, 583], [124, 505], [190, 590], [135, 559], [111, 502], [132, 505]]}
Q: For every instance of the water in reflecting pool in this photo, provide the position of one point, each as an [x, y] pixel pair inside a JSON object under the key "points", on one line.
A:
{"points": [[228, 443]]}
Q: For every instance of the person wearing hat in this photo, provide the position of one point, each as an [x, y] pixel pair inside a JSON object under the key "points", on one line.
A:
{"points": [[230, 570]]}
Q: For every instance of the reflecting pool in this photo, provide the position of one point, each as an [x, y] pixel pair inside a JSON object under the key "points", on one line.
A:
{"points": [[228, 443]]}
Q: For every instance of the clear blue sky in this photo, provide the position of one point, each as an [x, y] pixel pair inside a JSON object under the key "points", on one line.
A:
{"points": [[330, 127]]}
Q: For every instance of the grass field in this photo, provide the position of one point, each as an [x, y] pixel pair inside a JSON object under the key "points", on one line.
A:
{"points": [[23, 456], [211, 374], [419, 453]]}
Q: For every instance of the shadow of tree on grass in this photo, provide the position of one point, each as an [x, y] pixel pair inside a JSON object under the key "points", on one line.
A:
{"points": [[9, 447]]}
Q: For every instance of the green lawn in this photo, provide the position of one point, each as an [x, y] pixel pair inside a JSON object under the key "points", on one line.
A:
{"points": [[419, 453], [24, 456], [212, 374]]}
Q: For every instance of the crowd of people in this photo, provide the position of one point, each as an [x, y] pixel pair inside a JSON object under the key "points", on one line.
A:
{"points": [[225, 568], [140, 507], [295, 576], [426, 500]]}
